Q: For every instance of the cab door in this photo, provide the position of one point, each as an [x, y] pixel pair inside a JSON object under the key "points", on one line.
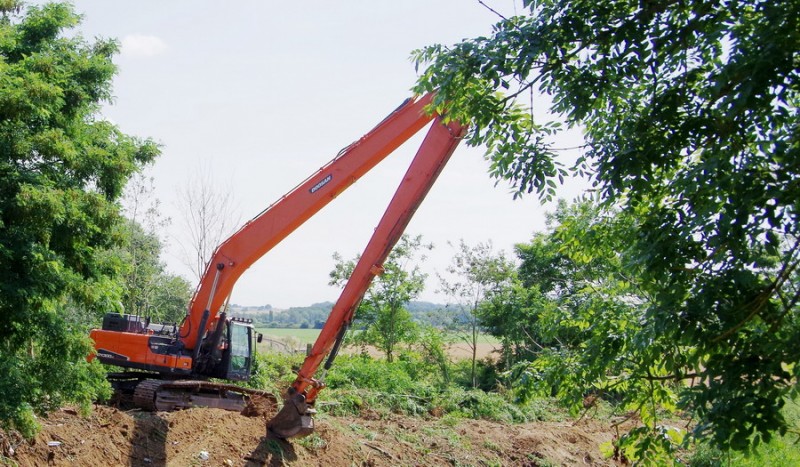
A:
{"points": [[241, 352]]}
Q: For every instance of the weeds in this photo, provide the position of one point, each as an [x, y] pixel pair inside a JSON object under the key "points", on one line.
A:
{"points": [[362, 386], [491, 446], [362, 431], [313, 443]]}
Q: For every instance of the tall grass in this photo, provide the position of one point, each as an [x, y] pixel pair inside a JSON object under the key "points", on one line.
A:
{"points": [[362, 385]]}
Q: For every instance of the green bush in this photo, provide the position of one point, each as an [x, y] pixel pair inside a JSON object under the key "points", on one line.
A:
{"points": [[403, 376], [478, 404], [487, 375], [35, 381], [359, 385], [274, 372]]}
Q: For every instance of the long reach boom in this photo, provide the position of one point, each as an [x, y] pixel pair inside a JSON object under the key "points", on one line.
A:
{"points": [[295, 419], [174, 364]]}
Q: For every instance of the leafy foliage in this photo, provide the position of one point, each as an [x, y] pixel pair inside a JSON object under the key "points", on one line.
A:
{"points": [[315, 315], [433, 343], [689, 111], [148, 289], [477, 273], [780, 450], [274, 372], [61, 170], [590, 336], [407, 385]]}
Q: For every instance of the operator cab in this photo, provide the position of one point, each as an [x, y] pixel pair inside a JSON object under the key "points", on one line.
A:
{"points": [[237, 350]]}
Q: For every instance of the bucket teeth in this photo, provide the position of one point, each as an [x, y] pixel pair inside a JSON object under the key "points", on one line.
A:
{"points": [[294, 419]]}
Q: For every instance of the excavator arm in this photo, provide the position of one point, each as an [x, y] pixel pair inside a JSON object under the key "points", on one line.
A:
{"points": [[295, 419], [177, 363], [234, 256]]}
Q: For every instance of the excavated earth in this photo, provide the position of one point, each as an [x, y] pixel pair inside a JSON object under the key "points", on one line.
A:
{"points": [[113, 437]]}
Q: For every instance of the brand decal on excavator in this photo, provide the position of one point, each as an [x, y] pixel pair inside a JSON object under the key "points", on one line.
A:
{"points": [[321, 183], [103, 353]]}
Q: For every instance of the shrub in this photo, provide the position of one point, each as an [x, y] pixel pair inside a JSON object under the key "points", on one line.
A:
{"points": [[274, 372]]}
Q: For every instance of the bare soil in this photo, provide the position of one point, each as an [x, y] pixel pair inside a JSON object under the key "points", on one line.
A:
{"points": [[113, 437], [461, 351]]}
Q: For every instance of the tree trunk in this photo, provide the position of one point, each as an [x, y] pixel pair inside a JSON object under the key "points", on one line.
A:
{"points": [[474, 351]]}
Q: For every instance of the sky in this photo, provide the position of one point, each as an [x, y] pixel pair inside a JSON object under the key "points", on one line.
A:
{"points": [[260, 94]]}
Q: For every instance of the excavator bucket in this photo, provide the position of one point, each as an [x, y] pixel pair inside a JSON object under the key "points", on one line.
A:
{"points": [[294, 420]]}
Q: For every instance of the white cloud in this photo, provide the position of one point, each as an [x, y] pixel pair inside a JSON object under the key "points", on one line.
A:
{"points": [[140, 45]]}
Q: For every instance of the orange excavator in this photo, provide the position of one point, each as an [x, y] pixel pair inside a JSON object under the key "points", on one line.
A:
{"points": [[174, 362]]}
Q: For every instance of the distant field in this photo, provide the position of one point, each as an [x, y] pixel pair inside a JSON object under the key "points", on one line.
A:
{"points": [[300, 337], [305, 336], [483, 339], [308, 336]]}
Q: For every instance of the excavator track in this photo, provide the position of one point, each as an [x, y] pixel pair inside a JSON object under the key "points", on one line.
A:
{"points": [[165, 396], [144, 396]]}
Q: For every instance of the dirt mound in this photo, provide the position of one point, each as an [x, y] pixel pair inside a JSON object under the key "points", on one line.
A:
{"points": [[218, 438]]}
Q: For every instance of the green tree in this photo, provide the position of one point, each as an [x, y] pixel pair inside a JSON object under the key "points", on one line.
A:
{"points": [[588, 326], [381, 318], [511, 313], [514, 313], [432, 343], [690, 117], [556, 273], [148, 289], [475, 273], [62, 168]]}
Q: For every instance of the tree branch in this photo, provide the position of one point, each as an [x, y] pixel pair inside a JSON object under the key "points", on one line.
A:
{"points": [[492, 10], [762, 298]]}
